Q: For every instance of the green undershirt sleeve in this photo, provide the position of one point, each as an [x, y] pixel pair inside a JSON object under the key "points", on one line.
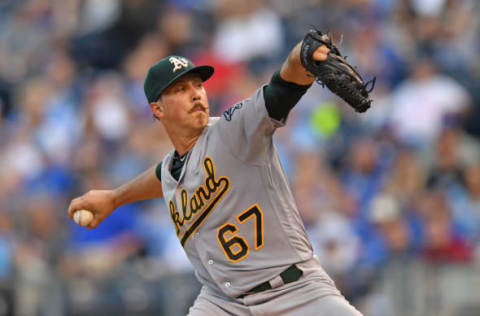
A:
{"points": [[281, 96], [158, 171]]}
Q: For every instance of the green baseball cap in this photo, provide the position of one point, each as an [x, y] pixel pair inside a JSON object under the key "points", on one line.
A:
{"points": [[169, 69]]}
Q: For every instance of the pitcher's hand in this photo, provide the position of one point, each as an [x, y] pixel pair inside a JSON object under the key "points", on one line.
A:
{"points": [[100, 202], [321, 53]]}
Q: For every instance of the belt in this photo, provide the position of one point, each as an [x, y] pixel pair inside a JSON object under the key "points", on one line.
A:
{"points": [[291, 274]]}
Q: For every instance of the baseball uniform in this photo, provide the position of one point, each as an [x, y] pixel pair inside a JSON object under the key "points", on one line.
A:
{"points": [[236, 218]]}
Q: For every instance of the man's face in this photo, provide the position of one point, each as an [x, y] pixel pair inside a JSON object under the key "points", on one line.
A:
{"points": [[184, 103]]}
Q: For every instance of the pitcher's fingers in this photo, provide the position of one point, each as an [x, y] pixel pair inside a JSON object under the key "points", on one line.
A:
{"points": [[318, 56], [94, 223], [73, 207], [321, 53], [323, 48]]}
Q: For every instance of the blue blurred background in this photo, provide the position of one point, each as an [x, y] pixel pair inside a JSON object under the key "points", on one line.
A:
{"points": [[390, 198]]}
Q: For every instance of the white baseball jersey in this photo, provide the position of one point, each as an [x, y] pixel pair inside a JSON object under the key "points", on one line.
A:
{"points": [[232, 208]]}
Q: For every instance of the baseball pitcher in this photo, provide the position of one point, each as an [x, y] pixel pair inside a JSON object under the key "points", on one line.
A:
{"points": [[228, 197]]}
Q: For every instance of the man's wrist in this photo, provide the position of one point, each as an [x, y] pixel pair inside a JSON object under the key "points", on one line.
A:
{"points": [[116, 196], [292, 69]]}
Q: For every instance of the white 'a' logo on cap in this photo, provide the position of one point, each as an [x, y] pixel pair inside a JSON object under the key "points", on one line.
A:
{"points": [[178, 62]]}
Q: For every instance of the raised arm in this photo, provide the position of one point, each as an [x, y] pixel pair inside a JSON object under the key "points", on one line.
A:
{"points": [[103, 202], [289, 84]]}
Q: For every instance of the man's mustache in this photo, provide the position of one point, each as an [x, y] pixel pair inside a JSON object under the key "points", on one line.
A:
{"points": [[197, 105]]}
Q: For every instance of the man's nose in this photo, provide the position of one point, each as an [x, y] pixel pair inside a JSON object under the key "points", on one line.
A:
{"points": [[195, 94]]}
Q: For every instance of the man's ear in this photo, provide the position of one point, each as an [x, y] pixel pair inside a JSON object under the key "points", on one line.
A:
{"points": [[158, 109]]}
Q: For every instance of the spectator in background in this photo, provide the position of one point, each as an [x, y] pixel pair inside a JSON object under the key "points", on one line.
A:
{"points": [[428, 96], [453, 151], [396, 231], [250, 27], [106, 33], [59, 129], [407, 177], [455, 156], [465, 203], [106, 109], [363, 175], [448, 169], [177, 28], [363, 178], [444, 242], [37, 251], [310, 186]]}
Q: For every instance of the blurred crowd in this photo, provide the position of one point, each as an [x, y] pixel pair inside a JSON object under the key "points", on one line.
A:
{"points": [[401, 181]]}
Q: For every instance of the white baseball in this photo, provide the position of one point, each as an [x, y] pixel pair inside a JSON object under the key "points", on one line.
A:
{"points": [[82, 217]]}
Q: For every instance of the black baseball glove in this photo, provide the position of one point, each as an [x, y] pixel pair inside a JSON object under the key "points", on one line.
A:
{"points": [[335, 72]]}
